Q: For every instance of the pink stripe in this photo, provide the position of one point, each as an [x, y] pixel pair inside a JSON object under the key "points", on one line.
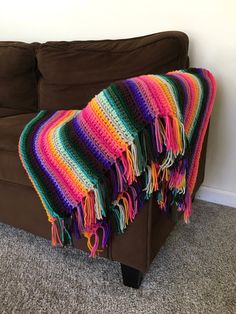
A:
{"points": [[98, 132], [190, 84], [53, 167], [143, 84], [161, 101], [196, 157]]}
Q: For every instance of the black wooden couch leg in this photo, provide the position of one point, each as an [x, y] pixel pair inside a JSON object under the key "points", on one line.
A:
{"points": [[131, 276]]}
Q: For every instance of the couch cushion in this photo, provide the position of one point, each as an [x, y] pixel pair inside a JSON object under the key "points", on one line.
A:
{"points": [[5, 112], [73, 72], [18, 83], [11, 168]]}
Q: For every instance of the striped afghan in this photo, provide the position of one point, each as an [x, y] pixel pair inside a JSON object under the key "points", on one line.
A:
{"points": [[138, 138]]}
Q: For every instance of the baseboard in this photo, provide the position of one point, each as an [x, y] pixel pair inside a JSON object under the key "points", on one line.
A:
{"points": [[208, 194]]}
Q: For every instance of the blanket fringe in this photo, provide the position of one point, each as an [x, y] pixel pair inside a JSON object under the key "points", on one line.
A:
{"points": [[60, 234], [159, 177], [56, 238], [93, 232], [188, 206], [88, 217]]}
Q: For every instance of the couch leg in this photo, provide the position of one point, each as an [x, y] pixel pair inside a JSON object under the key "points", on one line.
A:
{"points": [[131, 276]]}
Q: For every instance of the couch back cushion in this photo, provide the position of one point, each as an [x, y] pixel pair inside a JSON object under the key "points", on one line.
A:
{"points": [[18, 83], [71, 73]]}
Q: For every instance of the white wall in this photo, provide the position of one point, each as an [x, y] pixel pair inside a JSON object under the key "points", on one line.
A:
{"points": [[210, 24]]}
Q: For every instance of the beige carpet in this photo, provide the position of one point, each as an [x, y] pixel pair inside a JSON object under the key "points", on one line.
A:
{"points": [[193, 273]]}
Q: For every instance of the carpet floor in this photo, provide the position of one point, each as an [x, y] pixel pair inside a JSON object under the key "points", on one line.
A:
{"points": [[194, 272]]}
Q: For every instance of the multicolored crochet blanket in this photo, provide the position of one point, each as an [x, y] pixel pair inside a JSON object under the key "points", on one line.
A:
{"points": [[138, 137]]}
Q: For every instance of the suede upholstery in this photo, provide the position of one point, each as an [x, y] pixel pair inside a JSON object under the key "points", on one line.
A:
{"points": [[72, 72], [18, 77], [65, 75], [11, 169]]}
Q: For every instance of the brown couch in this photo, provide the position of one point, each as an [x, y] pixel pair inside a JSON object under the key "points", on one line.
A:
{"points": [[63, 75]]}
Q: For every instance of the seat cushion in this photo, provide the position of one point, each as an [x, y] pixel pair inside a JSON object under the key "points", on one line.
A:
{"points": [[11, 168], [18, 78], [5, 112], [73, 72]]}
